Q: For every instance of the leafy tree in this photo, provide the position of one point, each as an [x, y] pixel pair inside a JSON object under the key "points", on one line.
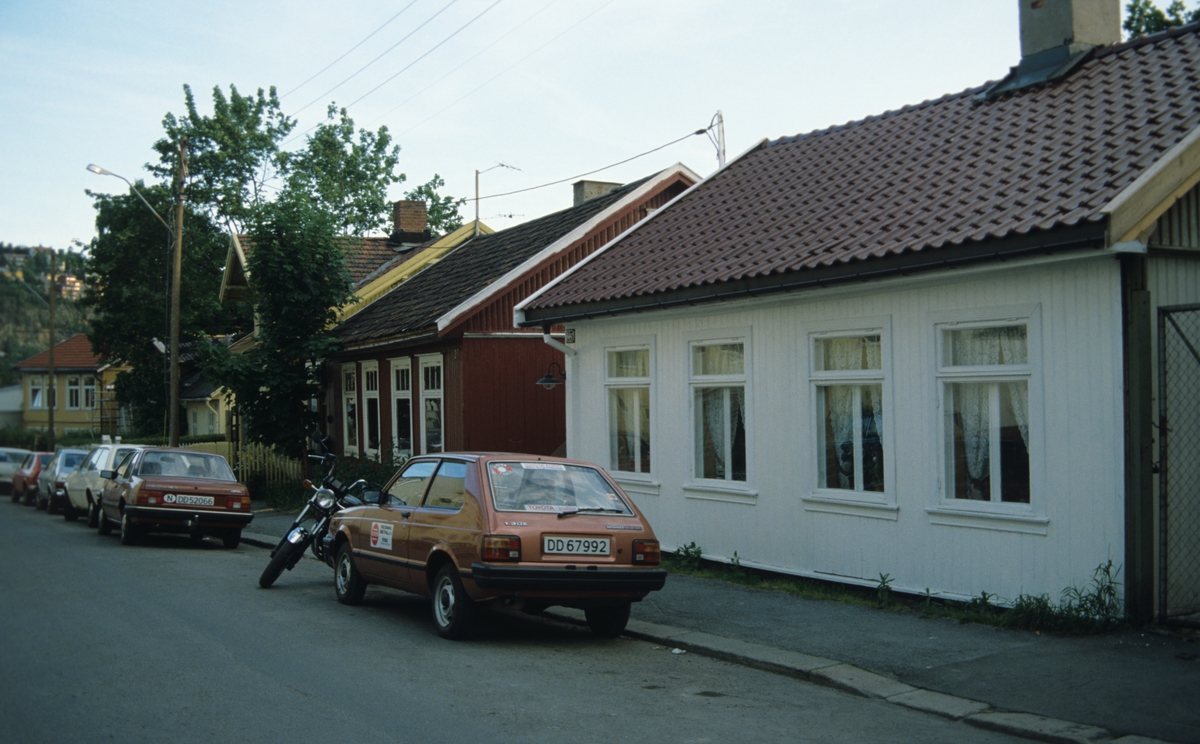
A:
{"points": [[298, 280], [443, 214], [1144, 17], [347, 177]]}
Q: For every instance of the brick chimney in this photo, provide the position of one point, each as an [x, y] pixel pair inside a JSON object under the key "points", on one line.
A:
{"points": [[1056, 37], [585, 190], [409, 224]]}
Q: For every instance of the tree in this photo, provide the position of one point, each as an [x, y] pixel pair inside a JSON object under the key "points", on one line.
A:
{"points": [[298, 280], [1144, 17], [443, 214], [346, 177]]}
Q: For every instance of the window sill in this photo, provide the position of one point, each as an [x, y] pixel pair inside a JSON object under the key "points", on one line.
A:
{"points": [[988, 520], [716, 492], [642, 484], [831, 504]]}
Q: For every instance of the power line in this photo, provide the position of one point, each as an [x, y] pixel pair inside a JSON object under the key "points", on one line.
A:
{"points": [[612, 165], [465, 62], [356, 46], [386, 51], [510, 67]]}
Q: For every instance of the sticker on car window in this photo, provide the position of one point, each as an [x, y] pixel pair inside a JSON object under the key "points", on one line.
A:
{"points": [[502, 469], [543, 466], [548, 508], [381, 535]]}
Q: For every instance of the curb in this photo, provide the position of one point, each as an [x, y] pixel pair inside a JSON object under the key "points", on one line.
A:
{"points": [[858, 681]]}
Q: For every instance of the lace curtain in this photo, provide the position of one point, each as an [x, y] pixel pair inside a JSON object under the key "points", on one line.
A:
{"points": [[861, 352]]}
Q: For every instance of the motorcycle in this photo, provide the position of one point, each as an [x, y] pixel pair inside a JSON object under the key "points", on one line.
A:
{"points": [[325, 501]]}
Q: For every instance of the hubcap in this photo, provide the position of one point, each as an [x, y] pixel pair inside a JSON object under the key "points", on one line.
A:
{"points": [[343, 574], [443, 602]]}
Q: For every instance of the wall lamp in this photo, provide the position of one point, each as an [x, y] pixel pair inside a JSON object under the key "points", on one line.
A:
{"points": [[550, 381]]}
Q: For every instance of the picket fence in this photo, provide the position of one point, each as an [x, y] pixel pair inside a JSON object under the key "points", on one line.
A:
{"points": [[256, 460]]}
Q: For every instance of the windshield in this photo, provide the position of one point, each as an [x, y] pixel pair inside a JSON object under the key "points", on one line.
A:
{"points": [[552, 487], [186, 465], [70, 460]]}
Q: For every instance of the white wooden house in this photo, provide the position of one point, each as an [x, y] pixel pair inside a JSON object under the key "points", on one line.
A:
{"points": [[924, 344]]}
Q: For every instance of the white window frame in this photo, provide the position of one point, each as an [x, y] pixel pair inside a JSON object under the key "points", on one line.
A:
{"points": [[856, 501], [1006, 516], [89, 392], [401, 392], [711, 488], [618, 383], [425, 362], [37, 393], [74, 393], [369, 386], [350, 375]]}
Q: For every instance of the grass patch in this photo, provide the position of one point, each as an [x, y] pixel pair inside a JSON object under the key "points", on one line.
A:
{"points": [[1095, 608]]}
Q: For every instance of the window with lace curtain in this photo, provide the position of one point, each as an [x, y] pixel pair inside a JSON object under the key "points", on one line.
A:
{"points": [[718, 380], [627, 379], [848, 375], [984, 377]]}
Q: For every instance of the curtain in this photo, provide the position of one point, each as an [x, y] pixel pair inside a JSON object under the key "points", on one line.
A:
{"points": [[839, 408], [712, 405], [1014, 350]]}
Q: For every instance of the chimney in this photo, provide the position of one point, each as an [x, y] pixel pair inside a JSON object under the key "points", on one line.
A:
{"points": [[1056, 37], [585, 190], [409, 225]]}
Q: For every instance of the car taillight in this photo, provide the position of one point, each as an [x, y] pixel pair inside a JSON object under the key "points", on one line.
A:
{"points": [[238, 502], [149, 497], [501, 548], [646, 552]]}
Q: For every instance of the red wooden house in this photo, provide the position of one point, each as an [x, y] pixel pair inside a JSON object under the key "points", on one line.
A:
{"points": [[436, 364]]}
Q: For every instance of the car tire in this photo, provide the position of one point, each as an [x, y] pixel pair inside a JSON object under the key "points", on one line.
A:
{"points": [[16, 497], [348, 583], [453, 610], [51, 506], [608, 622], [70, 513], [38, 502], [93, 512], [232, 539], [129, 530], [103, 526]]}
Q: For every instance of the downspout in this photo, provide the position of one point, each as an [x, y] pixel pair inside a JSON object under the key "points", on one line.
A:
{"points": [[555, 343], [216, 413]]}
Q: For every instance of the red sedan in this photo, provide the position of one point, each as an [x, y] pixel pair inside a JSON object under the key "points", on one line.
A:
{"points": [[24, 482]]}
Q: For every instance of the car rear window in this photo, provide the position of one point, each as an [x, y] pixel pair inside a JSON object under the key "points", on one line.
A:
{"points": [[71, 460], [552, 487], [186, 465], [43, 459]]}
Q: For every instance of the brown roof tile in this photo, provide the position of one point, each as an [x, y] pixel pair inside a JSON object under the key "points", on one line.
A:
{"points": [[74, 353], [948, 172]]}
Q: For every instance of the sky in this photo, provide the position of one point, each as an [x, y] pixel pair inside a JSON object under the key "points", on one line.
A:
{"points": [[554, 88]]}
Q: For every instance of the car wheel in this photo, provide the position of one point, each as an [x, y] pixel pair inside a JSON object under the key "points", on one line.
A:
{"points": [[348, 583], [93, 513], [232, 539], [129, 531], [70, 513], [453, 610], [16, 496], [51, 506], [608, 622], [103, 526], [38, 502]]}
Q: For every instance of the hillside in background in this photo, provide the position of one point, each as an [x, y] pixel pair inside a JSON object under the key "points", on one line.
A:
{"points": [[25, 321]]}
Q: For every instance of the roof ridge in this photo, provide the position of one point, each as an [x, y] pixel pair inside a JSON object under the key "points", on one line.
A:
{"points": [[1141, 41]]}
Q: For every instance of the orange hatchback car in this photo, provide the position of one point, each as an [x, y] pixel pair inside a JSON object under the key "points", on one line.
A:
{"points": [[521, 530]]}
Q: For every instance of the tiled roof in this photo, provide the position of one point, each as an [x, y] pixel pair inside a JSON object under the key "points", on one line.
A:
{"points": [[74, 353], [364, 255], [417, 304], [940, 174]]}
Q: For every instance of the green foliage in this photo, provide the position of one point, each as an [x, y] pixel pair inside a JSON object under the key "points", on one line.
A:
{"points": [[1143, 17], [884, 591], [346, 177], [443, 214], [298, 279], [25, 311], [378, 472], [690, 555]]}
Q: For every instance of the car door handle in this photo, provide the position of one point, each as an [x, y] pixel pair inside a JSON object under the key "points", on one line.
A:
{"points": [[405, 514]]}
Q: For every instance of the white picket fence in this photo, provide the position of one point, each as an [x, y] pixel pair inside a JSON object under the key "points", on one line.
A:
{"points": [[256, 459]]}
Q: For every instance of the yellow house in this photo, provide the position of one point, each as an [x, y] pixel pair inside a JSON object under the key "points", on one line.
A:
{"points": [[80, 389]]}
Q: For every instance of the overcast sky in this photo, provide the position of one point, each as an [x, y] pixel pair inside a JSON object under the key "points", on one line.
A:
{"points": [[553, 87]]}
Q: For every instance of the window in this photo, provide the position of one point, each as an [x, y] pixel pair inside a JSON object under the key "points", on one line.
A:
{"points": [[36, 393], [984, 378], [195, 428], [212, 422], [408, 487], [350, 407], [431, 403], [848, 377], [73, 393], [402, 407], [89, 393], [628, 383], [448, 486], [718, 383], [370, 372]]}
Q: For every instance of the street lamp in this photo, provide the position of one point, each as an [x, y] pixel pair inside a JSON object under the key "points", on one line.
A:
{"points": [[176, 270]]}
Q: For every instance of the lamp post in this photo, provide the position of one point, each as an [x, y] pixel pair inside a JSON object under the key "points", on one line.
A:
{"points": [[176, 270]]}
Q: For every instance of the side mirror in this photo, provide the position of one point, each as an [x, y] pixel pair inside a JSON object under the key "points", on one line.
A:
{"points": [[107, 474], [373, 497]]}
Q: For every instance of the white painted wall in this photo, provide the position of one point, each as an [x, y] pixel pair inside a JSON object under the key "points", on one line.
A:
{"points": [[1075, 520]]}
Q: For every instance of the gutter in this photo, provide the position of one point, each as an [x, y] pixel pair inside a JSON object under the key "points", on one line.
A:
{"points": [[1089, 236]]}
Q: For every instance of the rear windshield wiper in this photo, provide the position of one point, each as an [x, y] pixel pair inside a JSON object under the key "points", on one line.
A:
{"points": [[592, 510]]}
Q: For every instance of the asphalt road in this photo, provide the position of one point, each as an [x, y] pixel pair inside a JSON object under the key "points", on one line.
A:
{"points": [[169, 641]]}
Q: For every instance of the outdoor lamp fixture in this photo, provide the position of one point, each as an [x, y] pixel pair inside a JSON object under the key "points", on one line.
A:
{"points": [[550, 381], [104, 172]]}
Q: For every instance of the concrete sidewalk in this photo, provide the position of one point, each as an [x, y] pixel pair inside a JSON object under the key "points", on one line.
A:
{"points": [[1133, 684]]}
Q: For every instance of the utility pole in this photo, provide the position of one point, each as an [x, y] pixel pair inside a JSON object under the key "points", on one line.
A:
{"points": [[52, 382], [477, 202], [720, 139], [176, 271]]}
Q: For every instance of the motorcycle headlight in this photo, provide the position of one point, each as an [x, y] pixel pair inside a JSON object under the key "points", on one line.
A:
{"points": [[325, 498]]}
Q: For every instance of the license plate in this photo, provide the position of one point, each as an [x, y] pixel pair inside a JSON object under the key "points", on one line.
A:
{"points": [[576, 545], [186, 500]]}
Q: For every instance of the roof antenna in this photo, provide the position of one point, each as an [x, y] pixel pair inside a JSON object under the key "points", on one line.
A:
{"points": [[485, 170], [718, 121]]}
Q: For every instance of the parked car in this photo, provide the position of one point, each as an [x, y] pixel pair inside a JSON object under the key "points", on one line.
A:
{"points": [[51, 482], [85, 484], [24, 481], [522, 530], [10, 459], [174, 490]]}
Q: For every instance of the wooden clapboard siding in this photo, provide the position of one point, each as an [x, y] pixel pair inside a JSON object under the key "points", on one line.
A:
{"points": [[503, 409]]}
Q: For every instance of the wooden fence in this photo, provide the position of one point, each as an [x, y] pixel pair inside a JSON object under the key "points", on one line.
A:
{"points": [[256, 460]]}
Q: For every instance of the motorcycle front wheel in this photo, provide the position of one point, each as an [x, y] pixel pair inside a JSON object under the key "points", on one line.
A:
{"points": [[278, 563]]}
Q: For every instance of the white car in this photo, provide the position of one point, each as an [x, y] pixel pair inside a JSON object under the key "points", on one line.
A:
{"points": [[85, 485], [10, 460]]}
